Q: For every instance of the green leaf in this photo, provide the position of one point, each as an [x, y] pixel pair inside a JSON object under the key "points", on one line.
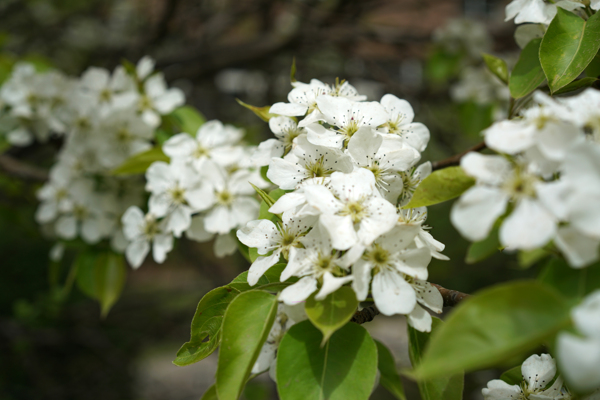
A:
{"points": [[576, 85], [441, 185], [261, 112], [139, 163], [206, 326], [479, 251], [497, 66], [247, 323], [293, 71], [273, 274], [442, 66], [345, 368], [188, 119], [443, 387], [496, 324], [333, 312], [593, 68], [210, 394], [527, 74], [389, 374], [526, 258], [513, 376], [569, 45], [570, 282], [101, 276]]}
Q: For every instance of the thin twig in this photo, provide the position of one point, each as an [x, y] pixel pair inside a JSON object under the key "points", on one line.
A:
{"points": [[455, 159], [451, 298], [18, 169]]}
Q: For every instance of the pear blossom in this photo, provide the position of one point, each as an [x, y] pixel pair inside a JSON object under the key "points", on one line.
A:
{"points": [[272, 240], [537, 11], [538, 372], [158, 100], [140, 230], [400, 122], [108, 92], [285, 130]]}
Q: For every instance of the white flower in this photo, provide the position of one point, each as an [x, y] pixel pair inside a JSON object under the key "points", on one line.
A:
{"points": [[400, 122], [272, 240], [140, 230], [345, 117], [285, 130], [530, 225], [352, 211], [538, 372], [579, 356], [157, 100], [108, 92], [537, 11], [213, 141], [144, 67], [307, 161], [176, 193]]}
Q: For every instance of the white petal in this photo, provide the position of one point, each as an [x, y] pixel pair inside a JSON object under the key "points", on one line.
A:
{"points": [[259, 234], [500, 390], [299, 291], [161, 245], [476, 211], [392, 294], [169, 101], [180, 145], [331, 284], [414, 262], [225, 245], [197, 232], [363, 145], [179, 220], [66, 227], [538, 371], [286, 174], [416, 135], [361, 270], [340, 230], [288, 109], [486, 169], [529, 226], [136, 252], [261, 265], [420, 319], [579, 360], [580, 250], [396, 106], [510, 136], [586, 316], [90, 230]]}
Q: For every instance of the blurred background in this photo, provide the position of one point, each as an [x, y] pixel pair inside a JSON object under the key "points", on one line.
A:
{"points": [[426, 51]]}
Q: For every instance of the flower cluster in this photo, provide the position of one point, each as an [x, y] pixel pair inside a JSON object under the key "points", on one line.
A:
{"points": [[346, 165], [539, 382], [579, 355], [205, 190], [541, 11], [543, 184]]}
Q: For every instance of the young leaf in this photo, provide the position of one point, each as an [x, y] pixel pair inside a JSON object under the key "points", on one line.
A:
{"points": [[498, 323], [263, 195], [331, 313], [206, 326], [441, 185], [479, 251], [569, 45], [441, 388], [527, 74], [139, 163], [188, 119], [513, 376], [102, 277], [497, 66], [389, 374], [345, 368], [264, 213], [261, 112], [246, 325]]}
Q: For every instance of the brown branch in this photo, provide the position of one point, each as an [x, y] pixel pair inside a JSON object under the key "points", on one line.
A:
{"points": [[13, 167], [451, 299], [455, 160]]}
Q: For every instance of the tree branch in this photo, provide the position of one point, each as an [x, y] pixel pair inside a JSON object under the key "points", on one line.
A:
{"points": [[455, 160], [451, 299], [13, 167]]}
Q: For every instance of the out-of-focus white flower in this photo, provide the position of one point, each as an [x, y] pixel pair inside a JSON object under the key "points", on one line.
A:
{"points": [[142, 229]]}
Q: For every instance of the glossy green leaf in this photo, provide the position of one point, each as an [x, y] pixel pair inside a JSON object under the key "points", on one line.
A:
{"points": [[494, 325], [569, 45], [479, 251], [206, 326], [345, 368], [570, 282], [389, 378], [497, 66], [441, 185], [576, 85], [513, 376], [102, 277], [261, 112], [333, 312], [210, 394], [527, 74], [440, 388], [246, 325], [188, 119], [139, 163]]}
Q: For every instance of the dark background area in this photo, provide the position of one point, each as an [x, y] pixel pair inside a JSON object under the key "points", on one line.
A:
{"points": [[54, 347]]}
